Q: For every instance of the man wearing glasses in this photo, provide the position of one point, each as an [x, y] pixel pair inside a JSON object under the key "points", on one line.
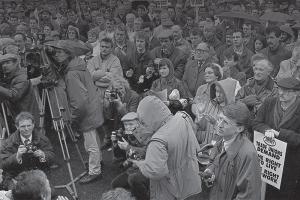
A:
{"points": [[235, 172], [193, 75]]}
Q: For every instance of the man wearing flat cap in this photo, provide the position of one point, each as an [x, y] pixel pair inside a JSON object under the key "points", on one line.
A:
{"points": [[135, 149], [15, 90], [235, 172], [279, 117], [168, 50]]}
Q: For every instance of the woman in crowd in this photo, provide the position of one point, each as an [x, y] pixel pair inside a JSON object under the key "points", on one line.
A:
{"points": [[208, 108], [47, 28], [168, 80], [213, 73], [73, 34], [259, 43]]}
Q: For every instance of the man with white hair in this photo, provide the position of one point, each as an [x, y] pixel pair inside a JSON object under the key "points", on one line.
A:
{"points": [[259, 87]]}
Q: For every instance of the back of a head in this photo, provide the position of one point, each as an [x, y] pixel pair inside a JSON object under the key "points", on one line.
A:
{"points": [[32, 185], [153, 113]]}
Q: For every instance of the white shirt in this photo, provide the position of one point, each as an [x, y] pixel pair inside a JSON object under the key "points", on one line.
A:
{"points": [[23, 139], [228, 143]]}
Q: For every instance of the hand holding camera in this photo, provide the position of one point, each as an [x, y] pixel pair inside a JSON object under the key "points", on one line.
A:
{"points": [[40, 154], [208, 177], [129, 73], [21, 150], [124, 145], [149, 71]]}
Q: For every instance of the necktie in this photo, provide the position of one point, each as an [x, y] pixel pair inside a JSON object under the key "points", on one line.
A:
{"points": [[26, 142]]}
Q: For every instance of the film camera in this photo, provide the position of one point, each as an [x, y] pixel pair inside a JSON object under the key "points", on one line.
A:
{"points": [[117, 135], [36, 65], [112, 94], [30, 148]]}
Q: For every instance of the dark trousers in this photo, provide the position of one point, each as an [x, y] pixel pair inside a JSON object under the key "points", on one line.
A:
{"points": [[136, 182]]}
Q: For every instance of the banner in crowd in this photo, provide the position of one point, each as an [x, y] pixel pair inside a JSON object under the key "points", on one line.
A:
{"points": [[271, 154]]}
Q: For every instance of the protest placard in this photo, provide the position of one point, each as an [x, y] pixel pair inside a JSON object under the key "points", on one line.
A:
{"points": [[271, 154]]}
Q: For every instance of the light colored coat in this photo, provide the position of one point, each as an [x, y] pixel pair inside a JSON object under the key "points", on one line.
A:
{"points": [[170, 163], [102, 70]]}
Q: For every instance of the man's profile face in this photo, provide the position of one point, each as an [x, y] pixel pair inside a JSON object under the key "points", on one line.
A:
{"points": [[25, 128]]}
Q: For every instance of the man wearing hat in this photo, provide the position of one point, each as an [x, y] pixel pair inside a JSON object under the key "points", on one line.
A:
{"points": [[135, 149], [235, 172], [280, 116], [15, 89], [84, 102], [168, 50]]}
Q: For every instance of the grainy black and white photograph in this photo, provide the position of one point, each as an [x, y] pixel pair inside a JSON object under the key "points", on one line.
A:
{"points": [[149, 99]]}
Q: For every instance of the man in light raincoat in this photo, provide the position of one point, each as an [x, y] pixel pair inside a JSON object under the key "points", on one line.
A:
{"points": [[170, 162]]}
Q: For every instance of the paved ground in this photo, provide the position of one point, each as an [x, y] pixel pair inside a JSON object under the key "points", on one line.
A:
{"points": [[91, 191]]}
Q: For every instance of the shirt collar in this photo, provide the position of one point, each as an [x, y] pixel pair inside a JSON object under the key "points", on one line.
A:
{"points": [[23, 139], [228, 143]]}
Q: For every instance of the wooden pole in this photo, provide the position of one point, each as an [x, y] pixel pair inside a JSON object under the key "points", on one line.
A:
{"points": [[263, 190]]}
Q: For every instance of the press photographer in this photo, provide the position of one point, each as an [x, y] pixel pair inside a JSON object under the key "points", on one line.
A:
{"points": [[119, 100], [135, 150], [25, 149], [15, 89]]}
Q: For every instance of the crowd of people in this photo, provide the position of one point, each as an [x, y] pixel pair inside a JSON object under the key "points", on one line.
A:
{"points": [[175, 92]]}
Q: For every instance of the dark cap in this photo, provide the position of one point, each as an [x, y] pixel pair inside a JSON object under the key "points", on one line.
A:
{"points": [[289, 83]]}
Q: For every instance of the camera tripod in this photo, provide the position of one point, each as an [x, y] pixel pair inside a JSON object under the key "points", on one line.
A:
{"points": [[60, 125], [4, 114]]}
